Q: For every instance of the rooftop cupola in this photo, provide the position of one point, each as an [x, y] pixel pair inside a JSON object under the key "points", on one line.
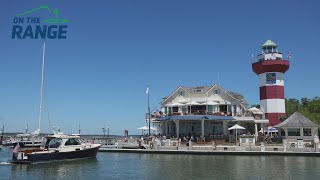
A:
{"points": [[269, 47]]}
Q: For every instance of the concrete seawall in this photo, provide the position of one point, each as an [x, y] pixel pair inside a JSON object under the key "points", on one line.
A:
{"points": [[213, 152]]}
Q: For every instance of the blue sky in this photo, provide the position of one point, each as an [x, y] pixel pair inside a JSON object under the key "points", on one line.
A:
{"points": [[98, 75]]}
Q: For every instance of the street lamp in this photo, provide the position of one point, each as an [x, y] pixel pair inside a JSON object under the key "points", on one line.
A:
{"points": [[108, 131], [104, 132]]}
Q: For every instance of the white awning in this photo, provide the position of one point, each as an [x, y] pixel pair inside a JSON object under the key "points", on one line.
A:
{"points": [[174, 104], [147, 128], [211, 103]]}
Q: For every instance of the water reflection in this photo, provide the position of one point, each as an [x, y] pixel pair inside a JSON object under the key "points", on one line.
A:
{"points": [[155, 166], [55, 169]]}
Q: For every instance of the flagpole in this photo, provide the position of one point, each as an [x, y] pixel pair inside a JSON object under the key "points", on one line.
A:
{"points": [[149, 107]]}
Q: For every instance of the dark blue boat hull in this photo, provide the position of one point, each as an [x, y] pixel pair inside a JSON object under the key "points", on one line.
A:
{"points": [[42, 157]]}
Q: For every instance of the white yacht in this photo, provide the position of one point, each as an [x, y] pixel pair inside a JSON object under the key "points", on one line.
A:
{"points": [[56, 147]]}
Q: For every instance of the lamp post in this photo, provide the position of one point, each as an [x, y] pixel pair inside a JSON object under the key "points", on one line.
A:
{"points": [[108, 131], [148, 108], [27, 129], [104, 132]]}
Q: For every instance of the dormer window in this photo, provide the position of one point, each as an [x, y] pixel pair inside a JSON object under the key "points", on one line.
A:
{"points": [[197, 90], [181, 93], [216, 91]]}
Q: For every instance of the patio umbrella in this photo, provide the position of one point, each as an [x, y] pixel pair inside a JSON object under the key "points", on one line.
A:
{"points": [[194, 103], [211, 103], [316, 139], [143, 128], [255, 110], [174, 104], [236, 127], [272, 129]]}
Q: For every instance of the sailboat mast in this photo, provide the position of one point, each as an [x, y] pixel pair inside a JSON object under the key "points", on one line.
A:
{"points": [[42, 81]]}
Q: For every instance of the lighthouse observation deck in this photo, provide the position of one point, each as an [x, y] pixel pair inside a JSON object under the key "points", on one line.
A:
{"points": [[270, 65]]}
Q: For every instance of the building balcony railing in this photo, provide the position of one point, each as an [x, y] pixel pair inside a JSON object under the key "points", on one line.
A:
{"points": [[200, 113]]}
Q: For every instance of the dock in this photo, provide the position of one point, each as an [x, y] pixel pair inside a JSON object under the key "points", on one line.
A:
{"points": [[211, 152]]}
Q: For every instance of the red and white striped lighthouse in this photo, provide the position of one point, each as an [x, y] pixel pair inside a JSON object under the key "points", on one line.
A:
{"points": [[271, 68]]}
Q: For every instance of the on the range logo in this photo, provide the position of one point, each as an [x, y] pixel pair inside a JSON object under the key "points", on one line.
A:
{"points": [[30, 27]]}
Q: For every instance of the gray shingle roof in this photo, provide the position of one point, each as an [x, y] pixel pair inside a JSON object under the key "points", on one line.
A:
{"points": [[238, 96], [297, 120], [191, 90]]}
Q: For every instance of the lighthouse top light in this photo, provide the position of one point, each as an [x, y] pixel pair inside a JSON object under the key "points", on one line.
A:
{"points": [[269, 47], [269, 52]]}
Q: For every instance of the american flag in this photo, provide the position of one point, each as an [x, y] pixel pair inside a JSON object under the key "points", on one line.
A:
{"points": [[16, 148], [289, 55]]}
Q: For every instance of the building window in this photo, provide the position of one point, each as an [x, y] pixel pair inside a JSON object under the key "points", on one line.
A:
{"points": [[293, 131], [306, 131], [197, 90], [181, 93], [192, 128], [216, 91]]}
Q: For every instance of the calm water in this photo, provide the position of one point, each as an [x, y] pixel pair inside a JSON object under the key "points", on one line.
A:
{"points": [[153, 166]]}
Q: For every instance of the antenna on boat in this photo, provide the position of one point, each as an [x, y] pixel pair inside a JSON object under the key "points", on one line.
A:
{"points": [[2, 129], [27, 129], [42, 81]]}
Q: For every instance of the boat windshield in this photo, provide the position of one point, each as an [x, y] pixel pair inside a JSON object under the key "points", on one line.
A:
{"points": [[55, 143], [73, 141]]}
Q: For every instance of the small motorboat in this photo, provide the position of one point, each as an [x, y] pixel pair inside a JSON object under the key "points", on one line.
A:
{"points": [[25, 140], [56, 147]]}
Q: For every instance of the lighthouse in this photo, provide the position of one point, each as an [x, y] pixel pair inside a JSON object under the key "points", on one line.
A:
{"points": [[270, 66]]}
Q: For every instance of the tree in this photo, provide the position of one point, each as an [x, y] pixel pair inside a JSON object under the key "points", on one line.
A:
{"points": [[256, 105], [308, 107], [292, 105]]}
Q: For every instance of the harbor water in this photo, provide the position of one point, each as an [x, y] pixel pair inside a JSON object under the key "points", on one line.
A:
{"points": [[163, 166]]}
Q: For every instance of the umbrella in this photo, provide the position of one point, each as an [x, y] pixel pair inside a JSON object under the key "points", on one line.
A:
{"points": [[211, 103], [143, 128], [255, 110], [147, 128], [316, 139], [272, 129], [236, 127], [194, 103], [174, 104]]}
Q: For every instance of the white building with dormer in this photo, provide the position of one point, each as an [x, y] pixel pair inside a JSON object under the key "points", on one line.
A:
{"points": [[206, 112]]}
